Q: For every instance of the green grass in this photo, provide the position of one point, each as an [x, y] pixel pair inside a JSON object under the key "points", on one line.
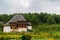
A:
{"points": [[41, 32], [41, 36]]}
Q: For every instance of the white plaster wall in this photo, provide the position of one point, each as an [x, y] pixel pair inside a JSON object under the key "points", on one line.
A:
{"points": [[22, 29], [29, 27], [6, 29], [15, 30]]}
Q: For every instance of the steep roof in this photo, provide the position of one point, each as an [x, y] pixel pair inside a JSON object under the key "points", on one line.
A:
{"points": [[17, 18]]}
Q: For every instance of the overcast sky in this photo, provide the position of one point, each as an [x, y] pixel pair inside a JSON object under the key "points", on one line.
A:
{"points": [[20, 6]]}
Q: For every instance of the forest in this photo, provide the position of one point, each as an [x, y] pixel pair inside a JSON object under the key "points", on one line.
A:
{"points": [[46, 26], [40, 21]]}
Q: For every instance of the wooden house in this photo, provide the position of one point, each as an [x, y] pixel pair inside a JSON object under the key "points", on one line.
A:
{"points": [[17, 24]]}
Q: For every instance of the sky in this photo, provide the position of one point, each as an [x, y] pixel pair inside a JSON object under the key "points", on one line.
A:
{"points": [[24, 6]]}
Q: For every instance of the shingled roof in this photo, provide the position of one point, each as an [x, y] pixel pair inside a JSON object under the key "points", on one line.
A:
{"points": [[17, 18]]}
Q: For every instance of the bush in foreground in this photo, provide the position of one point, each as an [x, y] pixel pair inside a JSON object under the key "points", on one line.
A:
{"points": [[26, 37]]}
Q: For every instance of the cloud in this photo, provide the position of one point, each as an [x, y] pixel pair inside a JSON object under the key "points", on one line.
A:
{"points": [[16, 6], [46, 6], [23, 3]]}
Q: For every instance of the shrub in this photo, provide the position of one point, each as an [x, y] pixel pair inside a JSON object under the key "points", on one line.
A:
{"points": [[26, 37]]}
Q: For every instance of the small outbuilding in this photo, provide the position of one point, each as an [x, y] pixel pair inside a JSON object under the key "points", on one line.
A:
{"points": [[17, 24]]}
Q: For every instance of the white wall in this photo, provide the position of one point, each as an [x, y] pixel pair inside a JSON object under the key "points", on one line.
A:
{"points": [[29, 27], [6, 29], [22, 29]]}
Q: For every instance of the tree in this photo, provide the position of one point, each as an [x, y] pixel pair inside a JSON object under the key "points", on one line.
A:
{"points": [[50, 19], [34, 20]]}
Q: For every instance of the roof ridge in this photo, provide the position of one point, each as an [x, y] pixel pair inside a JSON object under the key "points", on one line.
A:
{"points": [[16, 18]]}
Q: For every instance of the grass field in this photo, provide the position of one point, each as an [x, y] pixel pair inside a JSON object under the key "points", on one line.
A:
{"points": [[41, 36], [43, 32], [34, 39]]}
